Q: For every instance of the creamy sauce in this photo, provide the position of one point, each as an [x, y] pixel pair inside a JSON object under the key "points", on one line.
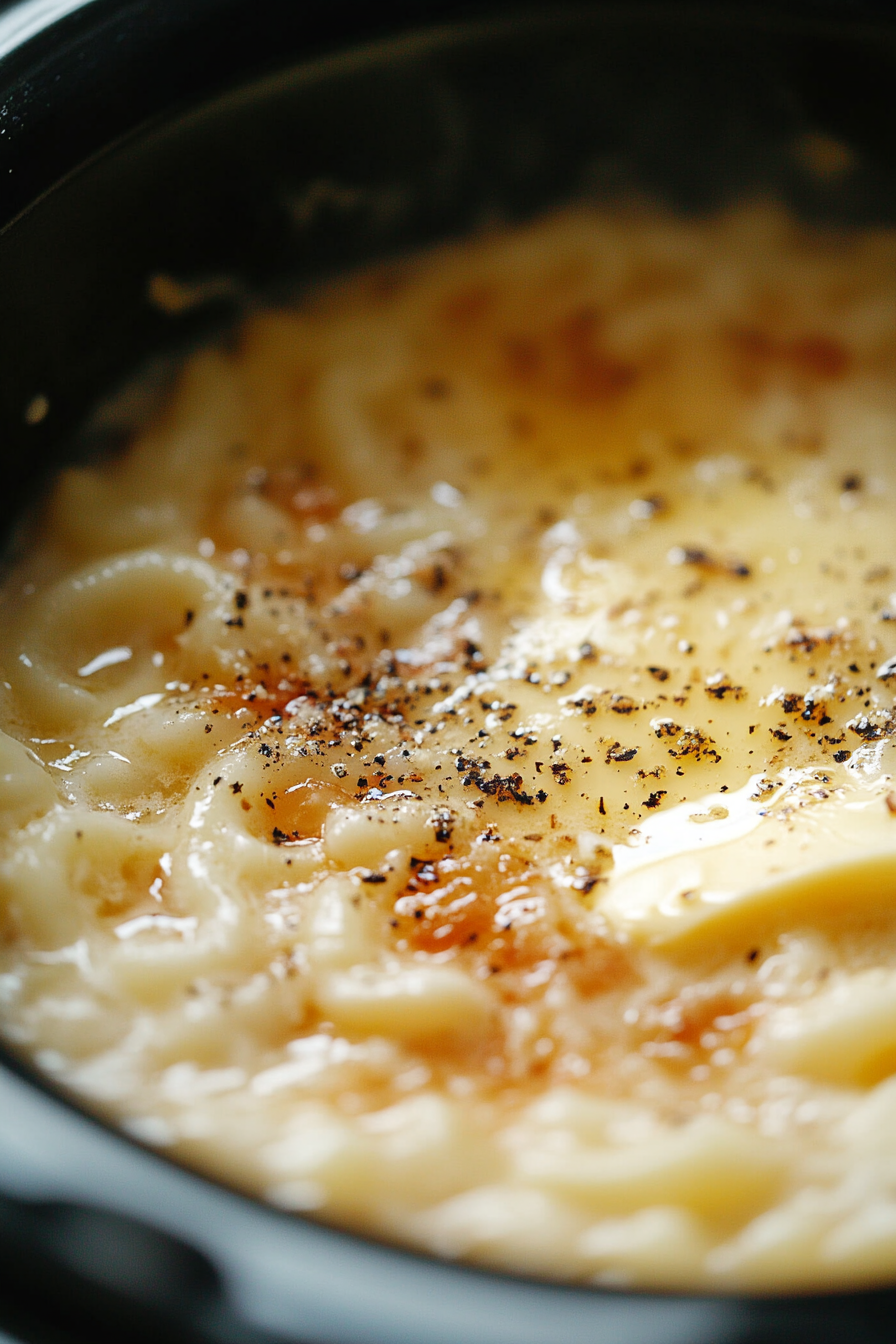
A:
{"points": [[447, 773]]}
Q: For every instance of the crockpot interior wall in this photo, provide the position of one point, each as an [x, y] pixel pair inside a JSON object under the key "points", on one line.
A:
{"points": [[329, 165]]}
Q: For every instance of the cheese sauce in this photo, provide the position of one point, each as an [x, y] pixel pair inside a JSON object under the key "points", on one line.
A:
{"points": [[447, 764]]}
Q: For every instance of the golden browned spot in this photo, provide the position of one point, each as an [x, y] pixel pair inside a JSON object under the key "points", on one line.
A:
{"points": [[468, 305], [816, 357], [568, 361]]}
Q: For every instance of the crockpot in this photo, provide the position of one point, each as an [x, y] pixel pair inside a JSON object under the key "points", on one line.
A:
{"points": [[245, 149]]}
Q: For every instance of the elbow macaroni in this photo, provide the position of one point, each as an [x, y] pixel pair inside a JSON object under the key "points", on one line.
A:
{"points": [[446, 768]]}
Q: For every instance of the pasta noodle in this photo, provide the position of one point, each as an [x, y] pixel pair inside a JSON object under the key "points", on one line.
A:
{"points": [[446, 778]]}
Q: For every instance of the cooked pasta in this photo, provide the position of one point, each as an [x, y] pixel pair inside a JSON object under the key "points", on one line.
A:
{"points": [[447, 756]]}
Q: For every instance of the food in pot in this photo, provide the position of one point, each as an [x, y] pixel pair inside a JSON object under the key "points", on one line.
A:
{"points": [[448, 760]]}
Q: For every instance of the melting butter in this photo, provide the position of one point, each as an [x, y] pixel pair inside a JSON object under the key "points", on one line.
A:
{"points": [[761, 857]]}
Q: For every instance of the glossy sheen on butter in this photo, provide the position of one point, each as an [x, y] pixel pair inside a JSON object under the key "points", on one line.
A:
{"points": [[446, 781]]}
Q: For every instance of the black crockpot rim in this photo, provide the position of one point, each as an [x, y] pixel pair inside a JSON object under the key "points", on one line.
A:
{"points": [[26, 63]]}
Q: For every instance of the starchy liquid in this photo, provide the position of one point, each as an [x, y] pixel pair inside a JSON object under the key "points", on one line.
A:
{"points": [[447, 773]]}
